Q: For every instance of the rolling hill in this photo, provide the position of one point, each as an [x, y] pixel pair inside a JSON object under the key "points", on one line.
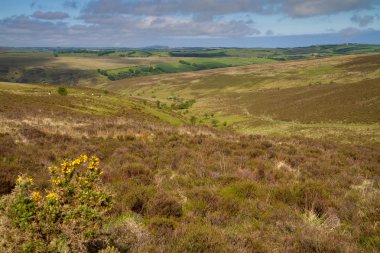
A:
{"points": [[273, 157], [337, 95]]}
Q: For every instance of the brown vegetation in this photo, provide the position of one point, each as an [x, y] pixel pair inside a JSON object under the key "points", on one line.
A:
{"points": [[193, 188]]}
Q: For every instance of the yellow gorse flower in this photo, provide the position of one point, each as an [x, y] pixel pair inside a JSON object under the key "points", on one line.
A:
{"points": [[20, 180], [52, 169], [36, 196], [94, 162], [83, 158], [67, 167], [56, 181], [76, 162], [52, 195]]}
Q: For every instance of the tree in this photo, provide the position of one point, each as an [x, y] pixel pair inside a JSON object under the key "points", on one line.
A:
{"points": [[62, 91], [215, 122], [193, 120]]}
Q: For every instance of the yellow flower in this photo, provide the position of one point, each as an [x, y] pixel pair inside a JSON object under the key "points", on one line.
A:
{"points": [[20, 180], [56, 181], [36, 196], [94, 162], [52, 196], [83, 158], [52, 169], [67, 167], [76, 162]]}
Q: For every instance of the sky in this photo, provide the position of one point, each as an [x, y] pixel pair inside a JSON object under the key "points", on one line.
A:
{"points": [[188, 23]]}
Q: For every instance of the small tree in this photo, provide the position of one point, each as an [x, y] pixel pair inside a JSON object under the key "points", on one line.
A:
{"points": [[215, 122], [67, 218], [193, 120], [62, 91]]}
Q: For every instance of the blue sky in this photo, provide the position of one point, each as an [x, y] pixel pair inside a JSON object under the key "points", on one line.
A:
{"points": [[240, 23]]}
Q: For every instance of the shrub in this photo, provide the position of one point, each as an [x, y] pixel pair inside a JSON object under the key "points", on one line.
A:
{"points": [[162, 226], [62, 91], [66, 218], [241, 190], [126, 234], [166, 206], [201, 238], [184, 104], [193, 120]]}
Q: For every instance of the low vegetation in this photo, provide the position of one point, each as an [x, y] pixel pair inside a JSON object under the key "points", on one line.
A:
{"points": [[62, 91], [278, 99], [281, 156], [67, 218], [174, 189]]}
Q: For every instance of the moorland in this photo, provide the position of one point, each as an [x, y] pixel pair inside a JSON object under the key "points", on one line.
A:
{"points": [[203, 150]]}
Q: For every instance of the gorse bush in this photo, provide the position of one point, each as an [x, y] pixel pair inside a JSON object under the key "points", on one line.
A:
{"points": [[66, 218]]}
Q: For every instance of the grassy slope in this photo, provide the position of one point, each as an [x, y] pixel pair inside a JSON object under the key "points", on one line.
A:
{"points": [[338, 96], [196, 189]]}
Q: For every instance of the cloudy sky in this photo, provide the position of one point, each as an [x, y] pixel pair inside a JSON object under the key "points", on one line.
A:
{"points": [[175, 23]]}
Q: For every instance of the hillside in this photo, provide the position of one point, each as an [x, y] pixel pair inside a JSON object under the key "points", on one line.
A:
{"points": [[339, 96], [195, 188], [172, 126], [88, 67]]}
